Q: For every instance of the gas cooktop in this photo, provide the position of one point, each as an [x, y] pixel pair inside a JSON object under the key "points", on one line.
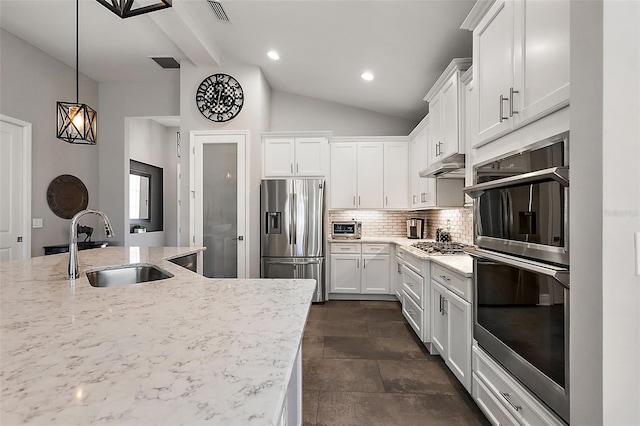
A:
{"points": [[439, 248]]}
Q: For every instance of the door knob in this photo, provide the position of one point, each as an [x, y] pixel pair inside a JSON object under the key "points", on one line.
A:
{"points": [[239, 238]]}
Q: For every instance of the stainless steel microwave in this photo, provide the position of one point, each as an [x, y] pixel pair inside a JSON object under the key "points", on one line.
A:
{"points": [[347, 230]]}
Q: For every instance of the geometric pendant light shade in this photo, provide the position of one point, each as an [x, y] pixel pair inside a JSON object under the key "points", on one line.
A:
{"points": [[129, 8], [76, 123]]}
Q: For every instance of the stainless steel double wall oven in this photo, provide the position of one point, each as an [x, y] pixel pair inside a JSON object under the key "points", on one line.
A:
{"points": [[521, 267]]}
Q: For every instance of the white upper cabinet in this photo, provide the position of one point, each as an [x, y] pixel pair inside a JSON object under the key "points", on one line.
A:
{"points": [[423, 190], [278, 156], [541, 35], [310, 156], [370, 163], [289, 155], [520, 65], [369, 173], [446, 112], [343, 177], [396, 175]]}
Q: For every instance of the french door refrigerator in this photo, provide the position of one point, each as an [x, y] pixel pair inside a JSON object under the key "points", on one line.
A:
{"points": [[292, 230]]}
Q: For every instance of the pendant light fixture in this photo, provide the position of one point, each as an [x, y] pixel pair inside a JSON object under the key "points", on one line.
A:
{"points": [[129, 8], [77, 123]]}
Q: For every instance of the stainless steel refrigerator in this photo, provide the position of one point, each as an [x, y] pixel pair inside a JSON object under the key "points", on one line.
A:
{"points": [[292, 230]]}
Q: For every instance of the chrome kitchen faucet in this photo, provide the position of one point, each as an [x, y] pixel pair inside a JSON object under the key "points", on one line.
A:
{"points": [[73, 239]]}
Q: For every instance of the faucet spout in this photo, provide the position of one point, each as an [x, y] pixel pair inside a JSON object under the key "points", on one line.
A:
{"points": [[73, 239]]}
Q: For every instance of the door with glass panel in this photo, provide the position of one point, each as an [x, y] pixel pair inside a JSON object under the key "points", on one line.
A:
{"points": [[219, 201]]}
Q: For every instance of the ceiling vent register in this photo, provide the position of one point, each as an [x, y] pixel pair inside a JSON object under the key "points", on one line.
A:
{"points": [[218, 10]]}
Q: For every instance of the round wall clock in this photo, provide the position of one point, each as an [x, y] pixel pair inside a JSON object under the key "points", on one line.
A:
{"points": [[219, 97]]}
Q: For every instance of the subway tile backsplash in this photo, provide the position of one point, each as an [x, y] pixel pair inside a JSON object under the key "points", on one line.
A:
{"points": [[384, 223]]}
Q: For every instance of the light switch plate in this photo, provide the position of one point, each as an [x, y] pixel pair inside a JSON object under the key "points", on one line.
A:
{"points": [[37, 222]]}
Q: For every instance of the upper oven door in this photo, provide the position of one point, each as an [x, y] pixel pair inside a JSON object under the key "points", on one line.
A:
{"points": [[525, 215]]}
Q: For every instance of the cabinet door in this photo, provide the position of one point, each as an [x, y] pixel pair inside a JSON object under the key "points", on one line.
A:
{"points": [[375, 274], [458, 314], [310, 156], [370, 182], [438, 318], [345, 273], [414, 199], [398, 279], [541, 46], [396, 176], [278, 157], [450, 99], [435, 130], [493, 70], [343, 175]]}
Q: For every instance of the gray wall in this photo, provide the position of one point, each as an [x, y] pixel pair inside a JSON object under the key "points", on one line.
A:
{"points": [[155, 144], [117, 102], [254, 117], [31, 83], [605, 199], [295, 112]]}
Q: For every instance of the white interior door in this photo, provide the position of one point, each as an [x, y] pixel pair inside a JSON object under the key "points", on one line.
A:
{"points": [[219, 186], [15, 190]]}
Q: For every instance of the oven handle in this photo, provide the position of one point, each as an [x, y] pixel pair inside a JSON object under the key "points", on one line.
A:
{"points": [[558, 174], [559, 274]]}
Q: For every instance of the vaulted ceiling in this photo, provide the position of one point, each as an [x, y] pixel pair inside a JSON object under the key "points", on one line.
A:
{"points": [[324, 46]]}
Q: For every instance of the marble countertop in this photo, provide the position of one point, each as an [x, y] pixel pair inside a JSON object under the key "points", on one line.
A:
{"points": [[460, 263], [185, 350]]}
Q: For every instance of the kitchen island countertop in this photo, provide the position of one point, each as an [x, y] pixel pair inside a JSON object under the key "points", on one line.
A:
{"points": [[185, 350]]}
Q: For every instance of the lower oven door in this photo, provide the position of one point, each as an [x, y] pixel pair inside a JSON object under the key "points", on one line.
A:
{"points": [[521, 318]]}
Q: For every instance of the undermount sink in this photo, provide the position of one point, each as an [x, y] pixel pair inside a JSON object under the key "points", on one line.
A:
{"points": [[124, 275]]}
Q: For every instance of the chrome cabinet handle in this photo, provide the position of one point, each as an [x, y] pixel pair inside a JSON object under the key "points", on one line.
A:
{"points": [[239, 238], [291, 166], [359, 201], [354, 200], [357, 263], [502, 117], [414, 199], [410, 312], [506, 396], [297, 168], [440, 304], [444, 277], [386, 200], [511, 92], [364, 263]]}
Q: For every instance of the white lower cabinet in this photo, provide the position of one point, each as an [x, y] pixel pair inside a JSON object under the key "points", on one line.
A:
{"points": [[451, 322], [415, 295], [360, 268], [502, 398], [451, 331]]}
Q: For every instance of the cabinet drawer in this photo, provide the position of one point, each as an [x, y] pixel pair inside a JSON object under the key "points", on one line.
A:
{"points": [[375, 248], [458, 284], [413, 314], [413, 285], [417, 264], [517, 400], [345, 247], [490, 406]]}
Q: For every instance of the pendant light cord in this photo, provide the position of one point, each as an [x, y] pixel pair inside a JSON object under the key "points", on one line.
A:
{"points": [[77, 70]]}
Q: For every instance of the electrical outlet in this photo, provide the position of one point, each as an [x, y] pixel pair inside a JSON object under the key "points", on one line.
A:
{"points": [[38, 222]]}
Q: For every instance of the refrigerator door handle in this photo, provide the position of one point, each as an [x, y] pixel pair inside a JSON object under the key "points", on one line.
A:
{"points": [[295, 220]]}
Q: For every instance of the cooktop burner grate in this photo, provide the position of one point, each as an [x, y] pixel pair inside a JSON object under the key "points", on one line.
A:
{"points": [[439, 248]]}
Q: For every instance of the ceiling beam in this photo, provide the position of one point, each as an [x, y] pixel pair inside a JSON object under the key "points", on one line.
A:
{"points": [[184, 31]]}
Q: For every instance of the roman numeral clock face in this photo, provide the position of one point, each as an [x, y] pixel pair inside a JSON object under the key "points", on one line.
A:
{"points": [[219, 97]]}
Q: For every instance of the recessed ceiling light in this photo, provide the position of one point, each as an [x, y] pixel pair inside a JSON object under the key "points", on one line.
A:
{"points": [[367, 76], [273, 55]]}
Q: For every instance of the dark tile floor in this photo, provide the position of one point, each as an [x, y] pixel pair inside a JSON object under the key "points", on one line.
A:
{"points": [[363, 365]]}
